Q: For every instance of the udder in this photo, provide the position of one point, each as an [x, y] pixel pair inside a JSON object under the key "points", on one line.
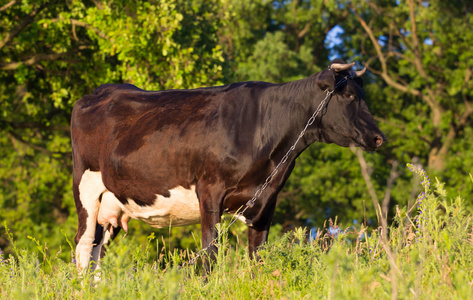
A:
{"points": [[111, 213]]}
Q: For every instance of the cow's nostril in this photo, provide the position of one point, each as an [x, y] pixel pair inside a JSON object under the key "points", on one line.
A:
{"points": [[378, 141]]}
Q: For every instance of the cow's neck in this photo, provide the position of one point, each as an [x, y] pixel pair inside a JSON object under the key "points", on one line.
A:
{"points": [[286, 110]]}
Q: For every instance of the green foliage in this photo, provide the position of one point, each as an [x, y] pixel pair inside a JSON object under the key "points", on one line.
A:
{"points": [[422, 54], [66, 51], [54, 52], [282, 65], [330, 179]]}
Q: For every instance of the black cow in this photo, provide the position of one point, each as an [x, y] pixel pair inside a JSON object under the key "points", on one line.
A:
{"points": [[180, 157]]}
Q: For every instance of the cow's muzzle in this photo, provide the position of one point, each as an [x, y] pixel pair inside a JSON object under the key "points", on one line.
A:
{"points": [[371, 142], [379, 140]]}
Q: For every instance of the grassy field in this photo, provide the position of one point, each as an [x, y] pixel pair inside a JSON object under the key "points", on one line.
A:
{"points": [[428, 255]]}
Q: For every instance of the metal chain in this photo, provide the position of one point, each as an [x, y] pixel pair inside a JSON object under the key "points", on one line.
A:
{"points": [[258, 193]]}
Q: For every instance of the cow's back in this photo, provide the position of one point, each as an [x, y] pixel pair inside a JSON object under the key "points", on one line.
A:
{"points": [[118, 123], [90, 125], [154, 141]]}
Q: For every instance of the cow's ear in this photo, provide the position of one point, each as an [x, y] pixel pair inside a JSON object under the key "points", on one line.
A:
{"points": [[326, 80]]}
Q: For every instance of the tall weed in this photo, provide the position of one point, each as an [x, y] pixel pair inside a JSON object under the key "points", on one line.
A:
{"points": [[428, 253]]}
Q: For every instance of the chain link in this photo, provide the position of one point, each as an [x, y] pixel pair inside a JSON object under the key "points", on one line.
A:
{"points": [[268, 180]]}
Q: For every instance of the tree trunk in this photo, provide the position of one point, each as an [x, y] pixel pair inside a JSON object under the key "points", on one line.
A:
{"points": [[439, 148], [437, 156]]}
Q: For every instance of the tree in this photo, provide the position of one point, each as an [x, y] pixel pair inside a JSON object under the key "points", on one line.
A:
{"points": [[326, 181], [418, 87], [422, 51], [54, 52], [288, 43], [419, 58]]}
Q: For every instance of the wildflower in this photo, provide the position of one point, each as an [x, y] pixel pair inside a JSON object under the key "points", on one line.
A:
{"points": [[2, 261], [421, 205], [421, 172]]}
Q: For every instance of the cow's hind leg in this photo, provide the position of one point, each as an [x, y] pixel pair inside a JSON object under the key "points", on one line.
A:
{"points": [[111, 219], [109, 236], [103, 236], [100, 235], [87, 190]]}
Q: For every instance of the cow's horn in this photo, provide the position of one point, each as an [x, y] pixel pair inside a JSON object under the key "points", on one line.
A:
{"points": [[341, 67], [358, 73]]}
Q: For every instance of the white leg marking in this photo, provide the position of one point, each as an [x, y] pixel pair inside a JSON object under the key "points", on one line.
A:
{"points": [[90, 189]]}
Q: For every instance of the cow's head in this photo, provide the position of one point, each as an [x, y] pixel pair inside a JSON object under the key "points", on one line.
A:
{"points": [[347, 120]]}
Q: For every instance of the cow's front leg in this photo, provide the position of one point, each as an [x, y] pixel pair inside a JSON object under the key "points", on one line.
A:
{"points": [[258, 232], [210, 214], [256, 238], [209, 237]]}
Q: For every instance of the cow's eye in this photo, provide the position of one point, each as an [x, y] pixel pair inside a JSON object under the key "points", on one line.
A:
{"points": [[350, 97]]}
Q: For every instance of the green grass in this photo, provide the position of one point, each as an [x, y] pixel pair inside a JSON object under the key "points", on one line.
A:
{"points": [[428, 256]]}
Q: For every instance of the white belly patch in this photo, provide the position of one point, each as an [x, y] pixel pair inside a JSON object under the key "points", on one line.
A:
{"points": [[179, 209]]}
